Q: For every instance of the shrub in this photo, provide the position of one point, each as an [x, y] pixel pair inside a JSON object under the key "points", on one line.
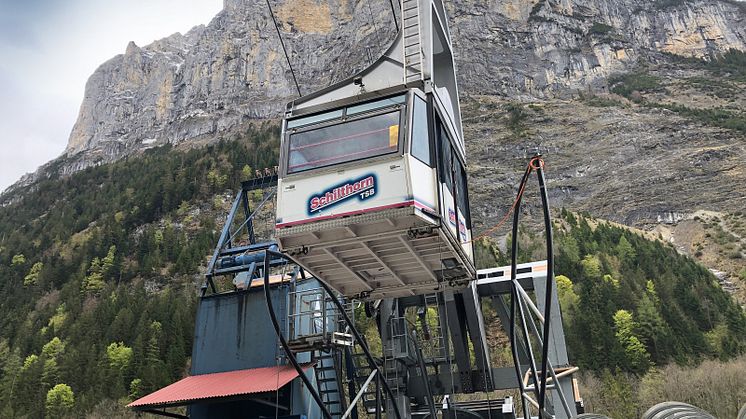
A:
{"points": [[600, 29], [634, 82], [600, 102]]}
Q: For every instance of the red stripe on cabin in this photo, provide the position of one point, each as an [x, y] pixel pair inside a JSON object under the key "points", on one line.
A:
{"points": [[409, 203]]}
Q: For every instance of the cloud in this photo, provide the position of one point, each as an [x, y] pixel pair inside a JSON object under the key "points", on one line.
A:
{"points": [[18, 19], [49, 48]]}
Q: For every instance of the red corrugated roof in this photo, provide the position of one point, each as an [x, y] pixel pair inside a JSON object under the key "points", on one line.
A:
{"points": [[221, 384]]}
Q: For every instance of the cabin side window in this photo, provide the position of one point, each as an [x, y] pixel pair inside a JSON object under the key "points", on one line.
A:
{"points": [[446, 157], [462, 193], [420, 135], [344, 135]]}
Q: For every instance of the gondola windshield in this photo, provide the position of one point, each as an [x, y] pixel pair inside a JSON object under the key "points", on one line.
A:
{"points": [[354, 133]]}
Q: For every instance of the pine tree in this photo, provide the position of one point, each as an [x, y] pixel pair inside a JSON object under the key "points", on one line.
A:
{"points": [[53, 348], [107, 263], [650, 325], [33, 275], [60, 401], [637, 357]]}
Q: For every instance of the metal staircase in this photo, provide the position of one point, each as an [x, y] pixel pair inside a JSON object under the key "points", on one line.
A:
{"points": [[413, 56], [328, 373], [362, 372], [397, 365]]}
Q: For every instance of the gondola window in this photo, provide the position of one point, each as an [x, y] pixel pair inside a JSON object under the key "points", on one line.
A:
{"points": [[344, 142]]}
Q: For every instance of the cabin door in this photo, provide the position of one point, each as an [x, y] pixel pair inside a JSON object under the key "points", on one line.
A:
{"points": [[453, 190]]}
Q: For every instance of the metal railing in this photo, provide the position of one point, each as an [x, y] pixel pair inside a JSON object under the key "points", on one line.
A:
{"points": [[315, 322]]}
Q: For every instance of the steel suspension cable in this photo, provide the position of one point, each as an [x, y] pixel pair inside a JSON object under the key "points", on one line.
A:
{"points": [[375, 28], [393, 13], [282, 43], [549, 281]]}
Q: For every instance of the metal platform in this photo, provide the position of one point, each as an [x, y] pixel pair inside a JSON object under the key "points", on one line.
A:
{"points": [[391, 253], [482, 409]]}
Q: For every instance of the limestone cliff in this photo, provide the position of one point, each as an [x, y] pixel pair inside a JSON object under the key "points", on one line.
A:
{"points": [[548, 47], [217, 78]]}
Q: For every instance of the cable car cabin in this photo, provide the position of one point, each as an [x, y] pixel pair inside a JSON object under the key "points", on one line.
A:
{"points": [[372, 197]]}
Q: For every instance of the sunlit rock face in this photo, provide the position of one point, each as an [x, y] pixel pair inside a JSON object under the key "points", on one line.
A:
{"points": [[217, 80], [549, 48]]}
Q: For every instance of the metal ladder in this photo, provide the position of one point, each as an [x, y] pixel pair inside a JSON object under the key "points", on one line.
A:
{"points": [[328, 383], [412, 40], [438, 350]]}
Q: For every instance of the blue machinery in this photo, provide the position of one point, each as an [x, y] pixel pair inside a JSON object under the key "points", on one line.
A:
{"points": [[371, 215]]}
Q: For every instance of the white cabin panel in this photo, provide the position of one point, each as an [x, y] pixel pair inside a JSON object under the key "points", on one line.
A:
{"points": [[465, 236], [449, 210], [424, 184], [357, 190]]}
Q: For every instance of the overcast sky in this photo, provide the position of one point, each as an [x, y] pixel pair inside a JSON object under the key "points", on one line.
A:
{"points": [[48, 48]]}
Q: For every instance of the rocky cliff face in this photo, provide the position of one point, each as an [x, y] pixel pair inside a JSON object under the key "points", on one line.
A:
{"points": [[547, 48], [522, 67], [217, 78]]}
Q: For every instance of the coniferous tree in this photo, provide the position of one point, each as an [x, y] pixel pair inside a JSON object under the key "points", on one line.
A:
{"points": [[59, 401], [637, 358]]}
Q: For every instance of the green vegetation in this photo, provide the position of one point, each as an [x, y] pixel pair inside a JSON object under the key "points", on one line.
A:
{"points": [[720, 88], [631, 291], [630, 303], [627, 84], [99, 296], [98, 273], [731, 65], [599, 28], [717, 387], [60, 400], [644, 323], [718, 117], [517, 117], [633, 85], [626, 334], [600, 101]]}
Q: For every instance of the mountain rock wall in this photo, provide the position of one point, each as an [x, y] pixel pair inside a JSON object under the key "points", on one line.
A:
{"points": [[216, 78], [549, 48]]}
